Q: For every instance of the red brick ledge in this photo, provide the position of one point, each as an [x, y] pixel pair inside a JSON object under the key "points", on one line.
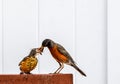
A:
{"points": [[36, 79]]}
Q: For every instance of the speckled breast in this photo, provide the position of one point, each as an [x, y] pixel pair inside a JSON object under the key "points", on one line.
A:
{"points": [[28, 64]]}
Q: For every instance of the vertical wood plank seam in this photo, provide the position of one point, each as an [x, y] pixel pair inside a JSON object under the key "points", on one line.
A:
{"points": [[106, 41], [37, 27], [1, 31], [74, 33], [2, 36]]}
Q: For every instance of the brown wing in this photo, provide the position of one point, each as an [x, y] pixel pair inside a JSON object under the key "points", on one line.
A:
{"points": [[23, 60], [62, 50]]}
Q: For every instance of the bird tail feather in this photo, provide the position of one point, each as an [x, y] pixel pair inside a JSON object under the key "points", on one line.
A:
{"points": [[79, 70]]}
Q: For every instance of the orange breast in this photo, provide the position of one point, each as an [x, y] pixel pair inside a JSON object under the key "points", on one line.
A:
{"points": [[57, 55]]}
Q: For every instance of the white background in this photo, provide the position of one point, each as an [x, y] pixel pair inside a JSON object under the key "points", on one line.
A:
{"points": [[88, 29], [113, 41]]}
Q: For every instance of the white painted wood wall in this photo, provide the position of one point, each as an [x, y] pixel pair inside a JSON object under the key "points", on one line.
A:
{"points": [[81, 26]]}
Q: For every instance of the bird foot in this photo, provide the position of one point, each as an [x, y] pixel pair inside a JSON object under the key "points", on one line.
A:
{"points": [[55, 73], [21, 73], [28, 73]]}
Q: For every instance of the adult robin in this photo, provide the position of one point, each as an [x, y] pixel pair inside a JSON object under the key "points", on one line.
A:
{"points": [[60, 54], [29, 62]]}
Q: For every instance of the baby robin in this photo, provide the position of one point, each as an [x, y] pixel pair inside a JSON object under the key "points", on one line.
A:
{"points": [[29, 62]]}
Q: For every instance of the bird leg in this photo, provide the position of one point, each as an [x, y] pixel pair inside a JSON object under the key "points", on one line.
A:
{"points": [[60, 68]]}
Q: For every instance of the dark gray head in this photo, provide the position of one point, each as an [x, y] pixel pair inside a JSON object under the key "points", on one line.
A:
{"points": [[47, 43], [33, 52]]}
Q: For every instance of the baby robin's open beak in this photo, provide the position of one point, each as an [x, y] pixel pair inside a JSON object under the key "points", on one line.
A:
{"points": [[40, 50]]}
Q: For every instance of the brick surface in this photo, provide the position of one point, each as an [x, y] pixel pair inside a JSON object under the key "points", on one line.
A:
{"points": [[37, 79]]}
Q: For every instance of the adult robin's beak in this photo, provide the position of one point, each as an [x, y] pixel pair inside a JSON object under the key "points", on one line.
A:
{"points": [[40, 50]]}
